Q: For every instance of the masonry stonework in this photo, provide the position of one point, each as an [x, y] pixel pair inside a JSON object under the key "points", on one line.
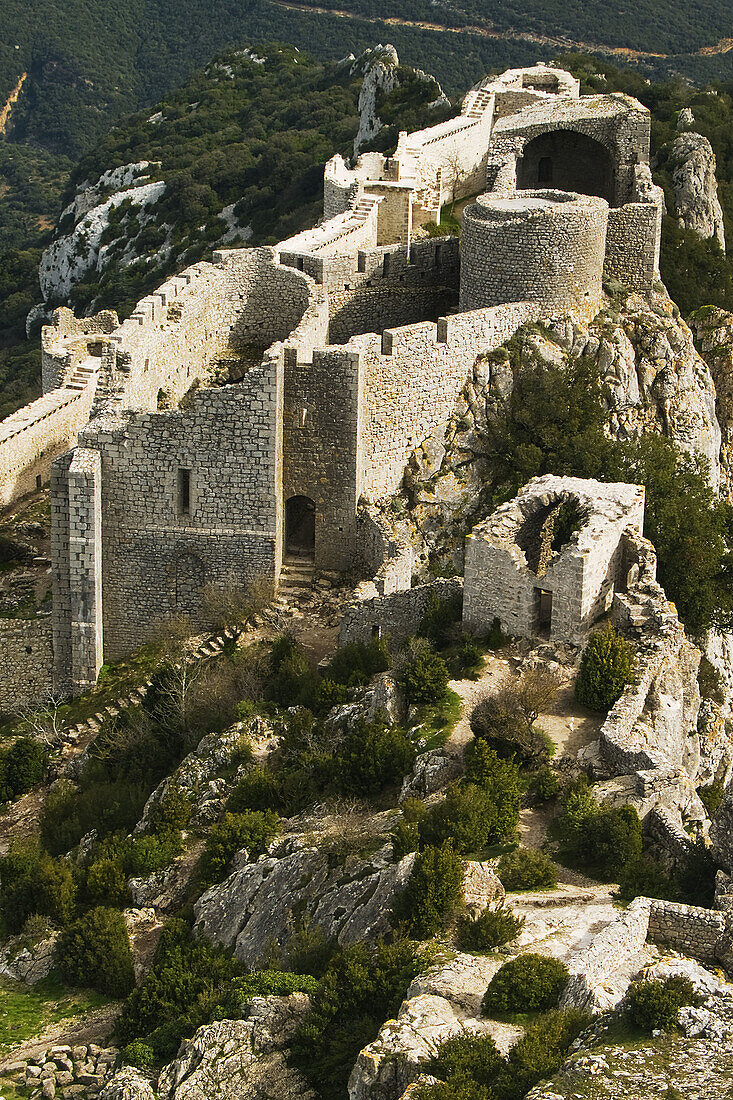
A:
{"points": [[274, 380]]}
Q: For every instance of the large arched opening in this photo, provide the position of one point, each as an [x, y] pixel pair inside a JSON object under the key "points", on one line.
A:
{"points": [[300, 527], [567, 161]]}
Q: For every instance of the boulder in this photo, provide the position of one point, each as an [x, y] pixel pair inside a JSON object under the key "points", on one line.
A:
{"points": [[431, 772], [696, 202], [241, 1059], [29, 964], [128, 1084], [481, 886]]}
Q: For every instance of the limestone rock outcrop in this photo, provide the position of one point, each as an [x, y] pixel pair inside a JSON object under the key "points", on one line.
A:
{"points": [[645, 356], [696, 202], [128, 1084], [255, 905], [240, 1059]]}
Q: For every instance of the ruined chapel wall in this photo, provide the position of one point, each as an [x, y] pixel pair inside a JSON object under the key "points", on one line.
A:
{"points": [[496, 587], [156, 557], [397, 615]]}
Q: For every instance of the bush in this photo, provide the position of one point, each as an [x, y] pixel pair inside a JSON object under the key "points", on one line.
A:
{"points": [[259, 789], [262, 983], [646, 878], [492, 928], [540, 1052], [94, 951], [473, 1057], [696, 877], [602, 840], [463, 818], [526, 869], [356, 663], [144, 855], [433, 892], [106, 883], [172, 812], [422, 673], [253, 830], [605, 669], [31, 881], [712, 797], [500, 780], [527, 983], [178, 994], [507, 718], [654, 1004], [362, 987], [21, 768], [440, 618], [309, 951], [373, 756], [138, 1054], [545, 784], [406, 833]]}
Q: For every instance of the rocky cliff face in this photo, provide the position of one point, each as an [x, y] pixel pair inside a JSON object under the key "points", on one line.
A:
{"points": [[696, 203], [646, 358]]}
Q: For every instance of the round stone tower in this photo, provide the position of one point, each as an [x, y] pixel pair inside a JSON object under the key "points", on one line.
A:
{"points": [[545, 246]]}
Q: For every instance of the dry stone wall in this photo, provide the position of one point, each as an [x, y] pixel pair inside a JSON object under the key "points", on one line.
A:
{"points": [[395, 616], [632, 245]]}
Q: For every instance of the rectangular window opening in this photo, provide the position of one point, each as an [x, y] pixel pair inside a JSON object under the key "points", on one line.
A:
{"points": [[184, 492]]}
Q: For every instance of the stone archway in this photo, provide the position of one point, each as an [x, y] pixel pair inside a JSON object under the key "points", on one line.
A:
{"points": [[566, 160], [300, 526]]}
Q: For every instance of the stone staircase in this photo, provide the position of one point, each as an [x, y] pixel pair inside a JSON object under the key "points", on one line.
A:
{"points": [[296, 579], [481, 100]]}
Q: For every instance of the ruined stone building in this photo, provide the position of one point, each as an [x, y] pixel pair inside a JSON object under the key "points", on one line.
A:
{"points": [[253, 406]]}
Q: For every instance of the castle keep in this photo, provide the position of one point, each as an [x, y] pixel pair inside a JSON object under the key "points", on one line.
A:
{"points": [[254, 406]]}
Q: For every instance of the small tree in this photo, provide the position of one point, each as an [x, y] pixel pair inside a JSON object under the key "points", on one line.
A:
{"points": [[94, 951], [654, 1004], [422, 673], [492, 928], [605, 669], [509, 716], [253, 830], [433, 893]]}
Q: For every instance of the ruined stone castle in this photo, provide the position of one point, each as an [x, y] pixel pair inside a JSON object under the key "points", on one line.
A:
{"points": [[257, 405]]}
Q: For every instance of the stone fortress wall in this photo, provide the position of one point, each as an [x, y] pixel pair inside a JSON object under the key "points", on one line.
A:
{"points": [[310, 371]]}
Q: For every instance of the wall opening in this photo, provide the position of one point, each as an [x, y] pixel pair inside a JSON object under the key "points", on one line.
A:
{"points": [[300, 526], [543, 611], [184, 492], [575, 162]]}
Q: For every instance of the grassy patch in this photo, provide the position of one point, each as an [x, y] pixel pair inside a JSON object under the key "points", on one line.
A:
{"points": [[438, 723], [27, 1012]]}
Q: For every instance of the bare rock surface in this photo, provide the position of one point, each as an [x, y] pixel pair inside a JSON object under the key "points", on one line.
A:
{"points": [[240, 1059], [696, 202]]}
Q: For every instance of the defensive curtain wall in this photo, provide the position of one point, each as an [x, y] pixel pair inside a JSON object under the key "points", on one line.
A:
{"points": [[305, 375]]}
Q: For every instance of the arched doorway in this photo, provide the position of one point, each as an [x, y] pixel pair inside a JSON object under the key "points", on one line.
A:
{"points": [[567, 161], [300, 526]]}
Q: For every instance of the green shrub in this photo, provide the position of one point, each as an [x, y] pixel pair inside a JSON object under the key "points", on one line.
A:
{"points": [[472, 1057], [605, 669], [31, 881], [406, 833], [654, 1004], [696, 877], [253, 830], [527, 983], [526, 869], [545, 784], [138, 1054], [492, 928], [502, 784], [105, 882], [507, 718], [463, 818], [262, 983], [172, 812], [21, 768], [422, 673], [94, 951], [602, 840], [107, 806], [258, 789], [357, 662], [711, 683], [309, 951], [440, 618], [373, 755], [540, 1052], [433, 892], [643, 877], [143, 855], [712, 797], [178, 994], [362, 987]]}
